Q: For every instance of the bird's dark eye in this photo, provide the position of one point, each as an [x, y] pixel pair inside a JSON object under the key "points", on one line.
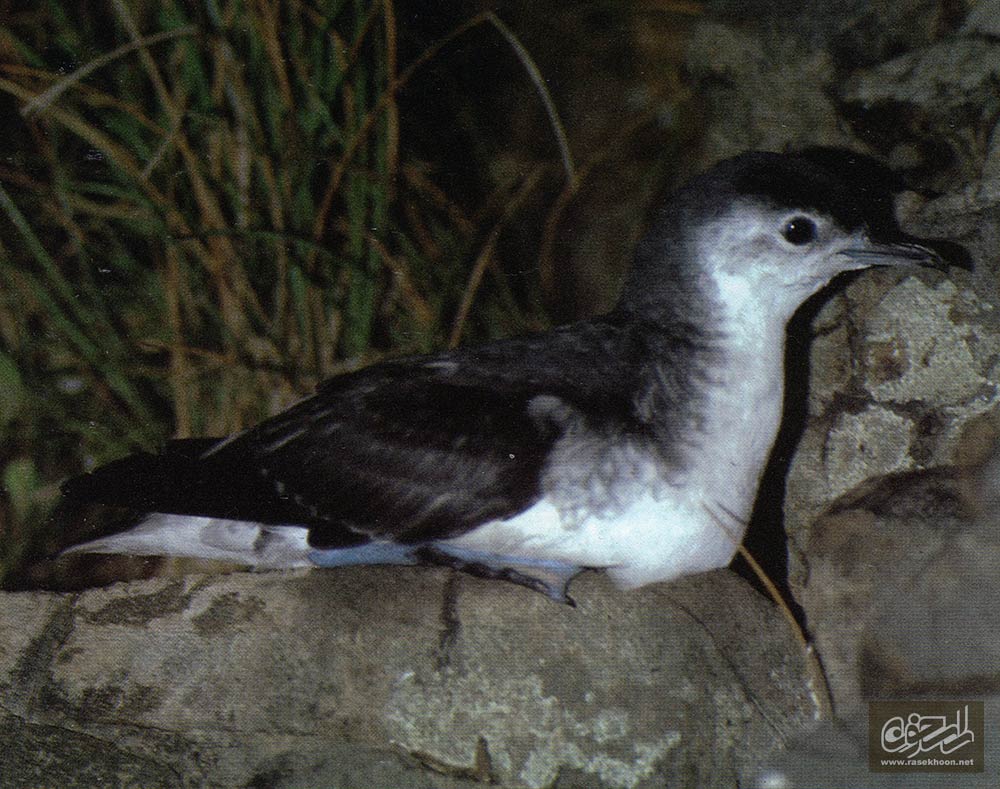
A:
{"points": [[799, 230]]}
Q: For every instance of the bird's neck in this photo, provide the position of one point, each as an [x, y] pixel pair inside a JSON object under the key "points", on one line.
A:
{"points": [[721, 413]]}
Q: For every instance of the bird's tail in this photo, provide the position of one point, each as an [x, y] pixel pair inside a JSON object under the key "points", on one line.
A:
{"points": [[184, 479], [189, 501], [258, 545]]}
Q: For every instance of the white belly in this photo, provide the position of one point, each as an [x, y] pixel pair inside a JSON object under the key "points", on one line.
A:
{"points": [[620, 508], [655, 538]]}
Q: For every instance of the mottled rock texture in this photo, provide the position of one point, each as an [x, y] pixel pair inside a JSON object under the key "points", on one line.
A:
{"points": [[403, 678]]}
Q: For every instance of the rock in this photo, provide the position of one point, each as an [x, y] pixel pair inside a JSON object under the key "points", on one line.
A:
{"points": [[930, 104], [835, 756], [903, 601], [882, 540], [904, 370], [900, 584], [747, 74], [395, 677], [983, 19]]}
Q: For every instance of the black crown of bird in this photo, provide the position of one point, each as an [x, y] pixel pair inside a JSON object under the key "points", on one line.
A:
{"points": [[633, 442]]}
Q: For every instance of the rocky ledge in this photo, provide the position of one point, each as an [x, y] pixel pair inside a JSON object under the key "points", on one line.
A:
{"points": [[395, 677]]}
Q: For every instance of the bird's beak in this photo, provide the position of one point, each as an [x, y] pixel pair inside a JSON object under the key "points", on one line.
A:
{"points": [[875, 254], [905, 253]]}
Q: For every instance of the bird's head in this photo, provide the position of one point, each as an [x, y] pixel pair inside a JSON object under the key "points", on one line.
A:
{"points": [[762, 232]]}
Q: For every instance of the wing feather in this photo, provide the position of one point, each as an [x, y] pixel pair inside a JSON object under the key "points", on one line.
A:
{"points": [[433, 446], [420, 448]]}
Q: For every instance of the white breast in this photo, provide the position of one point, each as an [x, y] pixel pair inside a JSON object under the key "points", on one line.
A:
{"points": [[620, 509]]}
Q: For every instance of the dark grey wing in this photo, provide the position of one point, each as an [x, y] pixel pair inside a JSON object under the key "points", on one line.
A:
{"points": [[408, 459], [423, 448], [427, 447]]}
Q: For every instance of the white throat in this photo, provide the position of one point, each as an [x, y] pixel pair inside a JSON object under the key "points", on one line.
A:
{"points": [[742, 410]]}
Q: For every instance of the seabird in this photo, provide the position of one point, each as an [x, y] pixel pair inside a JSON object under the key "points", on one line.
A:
{"points": [[633, 442]]}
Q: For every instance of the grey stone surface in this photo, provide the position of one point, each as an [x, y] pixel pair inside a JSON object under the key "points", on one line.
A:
{"points": [[983, 19], [904, 600], [898, 373], [835, 756], [901, 583], [940, 77], [748, 74], [400, 677]]}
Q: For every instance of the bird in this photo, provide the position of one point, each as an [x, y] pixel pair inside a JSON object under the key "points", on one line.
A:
{"points": [[632, 442]]}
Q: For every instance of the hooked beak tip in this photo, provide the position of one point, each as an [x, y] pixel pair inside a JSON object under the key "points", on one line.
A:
{"points": [[900, 254]]}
